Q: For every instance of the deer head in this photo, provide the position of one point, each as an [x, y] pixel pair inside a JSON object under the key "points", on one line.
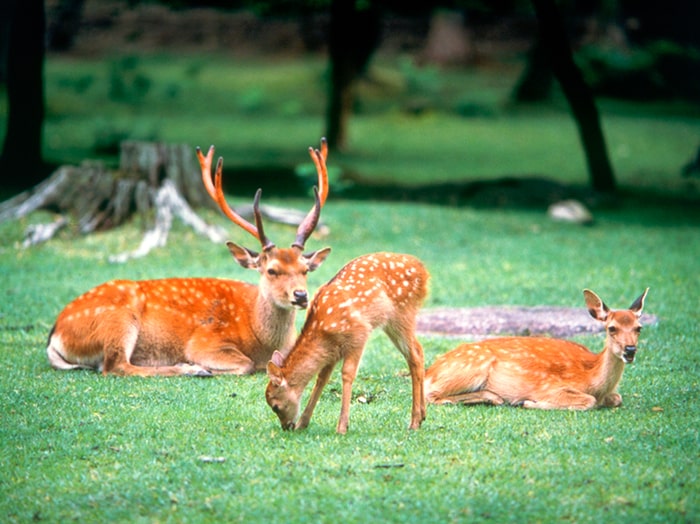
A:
{"points": [[282, 270], [622, 327]]}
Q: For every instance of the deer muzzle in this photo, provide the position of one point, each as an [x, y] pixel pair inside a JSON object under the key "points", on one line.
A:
{"points": [[629, 353], [301, 298]]}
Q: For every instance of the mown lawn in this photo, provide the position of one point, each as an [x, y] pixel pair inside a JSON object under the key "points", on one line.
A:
{"points": [[87, 448], [79, 446]]}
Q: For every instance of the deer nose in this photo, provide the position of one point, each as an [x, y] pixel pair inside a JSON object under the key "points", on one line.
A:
{"points": [[629, 353], [301, 298]]}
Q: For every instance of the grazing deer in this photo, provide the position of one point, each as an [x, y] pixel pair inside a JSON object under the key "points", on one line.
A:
{"points": [[378, 290], [540, 373], [196, 326]]}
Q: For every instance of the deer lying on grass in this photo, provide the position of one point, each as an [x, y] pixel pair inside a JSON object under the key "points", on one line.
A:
{"points": [[540, 373], [196, 326], [382, 290]]}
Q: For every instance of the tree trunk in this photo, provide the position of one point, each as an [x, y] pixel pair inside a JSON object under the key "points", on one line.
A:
{"points": [[577, 94], [354, 36], [535, 85], [21, 163], [65, 16]]}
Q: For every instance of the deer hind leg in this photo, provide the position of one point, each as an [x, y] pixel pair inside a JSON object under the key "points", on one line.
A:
{"points": [[483, 396], [123, 334], [62, 358], [321, 381], [405, 341], [562, 398]]}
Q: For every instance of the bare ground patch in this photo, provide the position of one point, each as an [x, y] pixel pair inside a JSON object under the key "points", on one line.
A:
{"points": [[480, 322]]}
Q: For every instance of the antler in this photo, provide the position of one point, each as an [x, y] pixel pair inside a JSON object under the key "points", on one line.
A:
{"points": [[216, 192], [309, 223]]}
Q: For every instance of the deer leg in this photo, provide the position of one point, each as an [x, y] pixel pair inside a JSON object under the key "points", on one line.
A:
{"points": [[350, 365], [227, 360], [321, 381], [483, 396], [612, 400], [122, 335], [405, 341], [562, 398]]}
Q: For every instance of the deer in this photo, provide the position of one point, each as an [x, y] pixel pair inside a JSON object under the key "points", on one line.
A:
{"points": [[379, 290], [197, 326], [539, 372]]}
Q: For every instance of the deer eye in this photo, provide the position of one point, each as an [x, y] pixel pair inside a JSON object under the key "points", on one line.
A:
{"points": [[272, 272], [638, 329], [612, 330]]}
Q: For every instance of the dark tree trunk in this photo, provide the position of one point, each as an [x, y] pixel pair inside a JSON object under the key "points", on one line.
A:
{"points": [[65, 21], [578, 94], [21, 164], [354, 36], [535, 85]]}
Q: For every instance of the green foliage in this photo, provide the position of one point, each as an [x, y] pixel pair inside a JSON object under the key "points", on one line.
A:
{"points": [[413, 125], [78, 446]]}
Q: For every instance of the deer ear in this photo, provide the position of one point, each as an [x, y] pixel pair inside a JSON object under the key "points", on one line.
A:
{"points": [[638, 304], [275, 374], [596, 307], [277, 358], [315, 259], [244, 256]]}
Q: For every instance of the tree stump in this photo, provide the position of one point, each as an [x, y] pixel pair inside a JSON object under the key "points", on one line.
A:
{"points": [[156, 180]]}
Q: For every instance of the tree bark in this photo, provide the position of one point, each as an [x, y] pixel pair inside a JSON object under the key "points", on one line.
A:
{"points": [[354, 36], [578, 95], [535, 84], [21, 164]]}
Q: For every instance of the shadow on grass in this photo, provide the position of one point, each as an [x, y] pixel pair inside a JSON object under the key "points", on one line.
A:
{"points": [[658, 206]]}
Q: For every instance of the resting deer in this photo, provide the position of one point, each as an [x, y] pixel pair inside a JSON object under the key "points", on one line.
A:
{"points": [[196, 326], [540, 373], [379, 290]]}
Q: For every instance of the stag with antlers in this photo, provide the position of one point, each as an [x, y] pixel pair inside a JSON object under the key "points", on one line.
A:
{"points": [[197, 326]]}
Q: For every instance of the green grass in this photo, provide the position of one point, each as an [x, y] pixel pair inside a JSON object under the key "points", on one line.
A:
{"points": [[79, 446], [87, 448]]}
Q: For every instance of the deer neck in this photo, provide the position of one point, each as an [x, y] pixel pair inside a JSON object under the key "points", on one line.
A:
{"points": [[606, 372], [304, 362], [274, 325]]}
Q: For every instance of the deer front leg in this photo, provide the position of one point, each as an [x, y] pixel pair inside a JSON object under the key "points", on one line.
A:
{"points": [[483, 396], [321, 381], [612, 400], [350, 365], [220, 360], [562, 398]]}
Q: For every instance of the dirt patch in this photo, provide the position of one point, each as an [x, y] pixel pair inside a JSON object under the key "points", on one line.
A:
{"points": [[480, 322]]}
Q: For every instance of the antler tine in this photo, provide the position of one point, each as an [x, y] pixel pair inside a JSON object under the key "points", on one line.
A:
{"points": [[319, 159], [266, 244], [216, 192], [309, 223], [205, 165]]}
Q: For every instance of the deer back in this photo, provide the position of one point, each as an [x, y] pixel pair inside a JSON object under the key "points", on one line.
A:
{"points": [[369, 292]]}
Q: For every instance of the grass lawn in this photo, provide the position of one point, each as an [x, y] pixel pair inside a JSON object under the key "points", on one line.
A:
{"points": [[87, 448]]}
